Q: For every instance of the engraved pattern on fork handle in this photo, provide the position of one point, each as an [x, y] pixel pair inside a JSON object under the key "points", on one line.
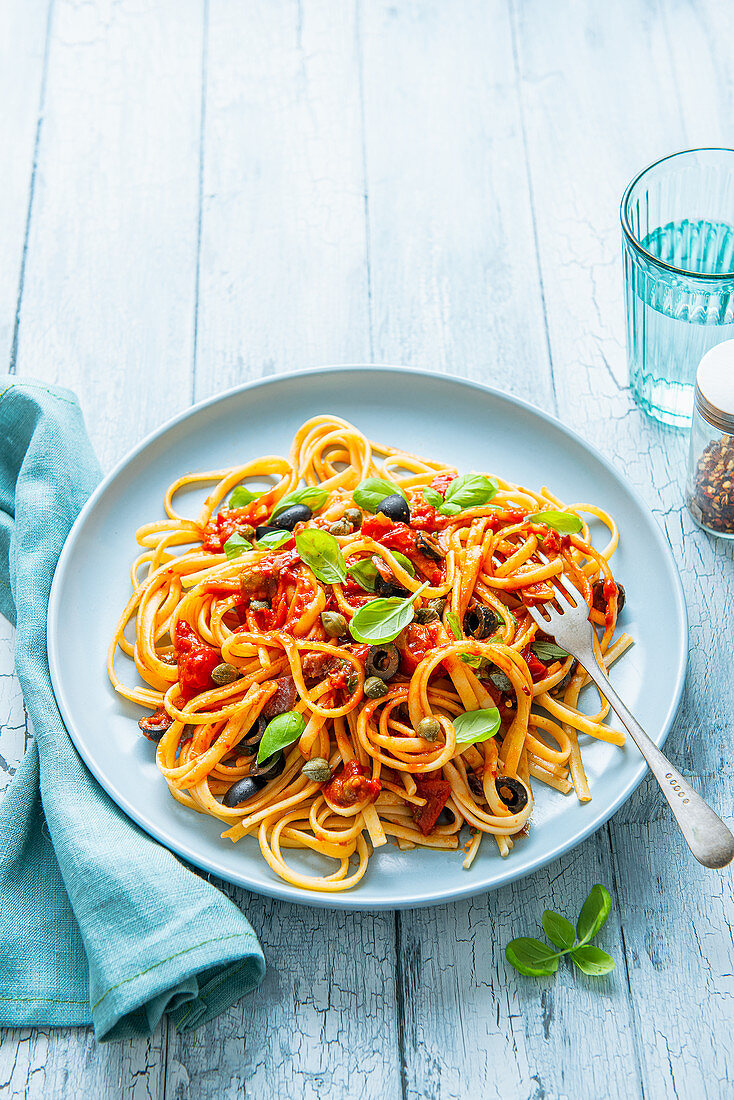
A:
{"points": [[710, 840]]}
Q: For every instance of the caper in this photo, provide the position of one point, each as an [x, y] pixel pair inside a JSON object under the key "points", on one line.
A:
{"points": [[247, 531], [438, 605], [428, 729], [426, 615], [374, 687], [333, 623], [340, 527], [259, 605], [317, 770], [225, 674], [354, 516]]}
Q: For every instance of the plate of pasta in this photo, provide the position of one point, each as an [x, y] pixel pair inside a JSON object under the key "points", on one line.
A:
{"points": [[290, 636]]}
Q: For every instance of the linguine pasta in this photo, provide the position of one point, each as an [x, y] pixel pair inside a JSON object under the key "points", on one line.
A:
{"points": [[269, 622]]}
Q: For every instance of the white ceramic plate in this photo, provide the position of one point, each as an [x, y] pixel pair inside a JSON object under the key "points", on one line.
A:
{"points": [[461, 423]]}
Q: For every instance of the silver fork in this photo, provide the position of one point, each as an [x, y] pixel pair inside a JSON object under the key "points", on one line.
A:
{"points": [[705, 833]]}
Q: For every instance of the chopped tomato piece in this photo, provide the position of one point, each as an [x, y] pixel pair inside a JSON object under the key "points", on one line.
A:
{"points": [[195, 661], [436, 793], [414, 643], [536, 668], [350, 785]]}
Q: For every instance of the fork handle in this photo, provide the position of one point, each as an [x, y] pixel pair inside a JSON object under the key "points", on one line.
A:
{"points": [[705, 833]]}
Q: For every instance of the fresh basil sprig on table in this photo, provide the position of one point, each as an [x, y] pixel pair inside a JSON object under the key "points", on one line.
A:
{"points": [[566, 523], [236, 545], [274, 539], [382, 620], [321, 553], [281, 732], [537, 959], [371, 492], [312, 496], [549, 651], [476, 725], [467, 491]]}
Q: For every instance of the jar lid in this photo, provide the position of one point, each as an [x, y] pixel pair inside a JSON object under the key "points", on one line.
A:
{"points": [[714, 392]]}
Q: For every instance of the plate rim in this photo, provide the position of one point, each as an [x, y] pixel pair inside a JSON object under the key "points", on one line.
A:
{"points": [[279, 889]]}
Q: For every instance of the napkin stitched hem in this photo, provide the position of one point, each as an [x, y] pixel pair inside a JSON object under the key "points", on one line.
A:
{"points": [[176, 955]]}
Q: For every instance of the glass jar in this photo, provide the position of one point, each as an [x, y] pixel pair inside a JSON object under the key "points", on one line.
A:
{"points": [[710, 480]]}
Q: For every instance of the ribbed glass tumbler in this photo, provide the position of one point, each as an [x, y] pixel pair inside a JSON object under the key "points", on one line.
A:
{"points": [[678, 244]]}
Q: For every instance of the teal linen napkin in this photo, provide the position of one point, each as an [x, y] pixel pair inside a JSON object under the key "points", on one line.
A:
{"points": [[98, 922]]}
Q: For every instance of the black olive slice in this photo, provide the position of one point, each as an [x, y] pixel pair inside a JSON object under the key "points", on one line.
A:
{"points": [[388, 588], [251, 741], [428, 546], [289, 517], [240, 792], [512, 792], [269, 769], [479, 622], [395, 507], [599, 600], [382, 661]]}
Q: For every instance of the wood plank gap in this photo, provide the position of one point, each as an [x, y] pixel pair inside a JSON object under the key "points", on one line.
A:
{"points": [[512, 15], [616, 884], [31, 191], [365, 175], [199, 219], [400, 1005]]}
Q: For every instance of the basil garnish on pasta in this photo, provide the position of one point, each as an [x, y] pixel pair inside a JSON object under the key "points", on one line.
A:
{"points": [[370, 493], [241, 497], [320, 551], [274, 539], [382, 620], [281, 732], [476, 725], [236, 545], [467, 491], [312, 496], [548, 651], [364, 572], [566, 523]]}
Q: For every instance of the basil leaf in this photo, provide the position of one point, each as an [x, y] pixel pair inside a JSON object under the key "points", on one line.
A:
{"points": [[406, 563], [321, 553], [558, 930], [549, 651], [594, 912], [452, 621], [501, 680], [382, 620], [432, 497], [531, 957], [364, 572], [468, 491], [476, 725], [470, 659], [274, 539], [566, 523], [241, 497], [370, 494], [312, 496], [592, 960], [236, 545], [281, 732]]}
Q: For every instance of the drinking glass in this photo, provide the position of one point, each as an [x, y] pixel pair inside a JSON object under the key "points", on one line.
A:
{"points": [[678, 244]]}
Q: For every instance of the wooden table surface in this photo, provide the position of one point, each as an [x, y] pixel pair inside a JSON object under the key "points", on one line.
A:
{"points": [[199, 192]]}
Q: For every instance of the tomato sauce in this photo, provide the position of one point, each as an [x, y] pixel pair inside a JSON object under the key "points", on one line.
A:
{"points": [[536, 668], [351, 785], [398, 536], [436, 793], [195, 661], [415, 642]]}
